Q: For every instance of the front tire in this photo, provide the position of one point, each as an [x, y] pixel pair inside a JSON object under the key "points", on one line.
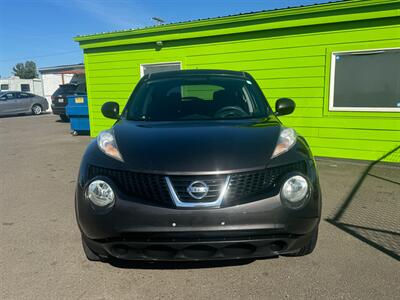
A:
{"points": [[64, 118], [36, 109], [90, 255]]}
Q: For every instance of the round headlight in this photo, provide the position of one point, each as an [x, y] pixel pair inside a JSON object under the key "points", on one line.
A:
{"points": [[295, 190], [100, 193]]}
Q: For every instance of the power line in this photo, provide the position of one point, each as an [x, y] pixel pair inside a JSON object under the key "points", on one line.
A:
{"points": [[39, 56]]}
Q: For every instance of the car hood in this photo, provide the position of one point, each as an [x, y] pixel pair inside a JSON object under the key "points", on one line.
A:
{"points": [[196, 147]]}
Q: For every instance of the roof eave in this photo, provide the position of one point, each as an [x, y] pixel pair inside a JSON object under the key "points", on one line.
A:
{"points": [[168, 32]]}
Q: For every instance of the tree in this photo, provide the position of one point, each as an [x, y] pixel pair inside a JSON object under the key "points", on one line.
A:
{"points": [[26, 71]]}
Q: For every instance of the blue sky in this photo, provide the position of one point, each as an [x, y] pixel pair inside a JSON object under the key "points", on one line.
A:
{"points": [[42, 30]]}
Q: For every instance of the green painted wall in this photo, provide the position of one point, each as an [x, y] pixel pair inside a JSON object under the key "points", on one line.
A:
{"points": [[288, 52]]}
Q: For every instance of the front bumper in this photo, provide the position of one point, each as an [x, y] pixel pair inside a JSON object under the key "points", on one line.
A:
{"points": [[139, 231], [238, 244]]}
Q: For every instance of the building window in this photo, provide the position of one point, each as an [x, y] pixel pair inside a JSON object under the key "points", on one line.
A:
{"points": [[25, 88], [4, 87], [365, 81], [159, 67]]}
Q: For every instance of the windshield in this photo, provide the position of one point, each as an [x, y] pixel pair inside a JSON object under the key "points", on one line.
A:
{"points": [[197, 98], [65, 89], [81, 88]]}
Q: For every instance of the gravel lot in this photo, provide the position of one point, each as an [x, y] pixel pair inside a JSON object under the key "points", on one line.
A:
{"points": [[357, 255]]}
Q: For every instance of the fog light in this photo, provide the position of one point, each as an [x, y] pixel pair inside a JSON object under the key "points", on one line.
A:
{"points": [[100, 193], [294, 191]]}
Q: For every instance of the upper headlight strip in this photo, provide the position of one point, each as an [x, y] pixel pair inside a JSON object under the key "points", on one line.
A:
{"points": [[107, 143], [287, 139]]}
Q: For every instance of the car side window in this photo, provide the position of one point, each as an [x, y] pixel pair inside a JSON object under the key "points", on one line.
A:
{"points": [[8, 96], [23, 95]]}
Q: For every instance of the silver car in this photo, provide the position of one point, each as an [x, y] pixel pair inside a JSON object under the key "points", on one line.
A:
{"points": [[12, 103]]}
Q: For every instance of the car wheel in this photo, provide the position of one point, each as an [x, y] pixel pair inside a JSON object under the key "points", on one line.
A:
{"points": [[36, 109], [90, 255], [309, 247], [64, 118]]}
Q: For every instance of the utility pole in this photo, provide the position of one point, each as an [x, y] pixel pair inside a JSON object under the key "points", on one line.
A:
{"points": [[159, 21]]}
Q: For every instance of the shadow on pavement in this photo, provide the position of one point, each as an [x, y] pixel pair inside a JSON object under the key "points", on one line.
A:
{"points": [[371, 211], [175, 265], [24, 115], [61, 121]]}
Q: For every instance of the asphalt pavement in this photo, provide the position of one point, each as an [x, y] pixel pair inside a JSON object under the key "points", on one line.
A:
{"points": [[357, 255]]}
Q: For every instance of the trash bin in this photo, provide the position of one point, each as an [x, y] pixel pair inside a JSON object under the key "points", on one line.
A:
{"points": [[78, 113]]}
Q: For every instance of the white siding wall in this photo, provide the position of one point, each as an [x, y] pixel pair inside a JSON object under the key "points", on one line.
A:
{"points": [[51, 83], [14, 84]]}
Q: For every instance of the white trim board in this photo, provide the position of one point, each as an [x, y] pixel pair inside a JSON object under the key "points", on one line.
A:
{"points": [[332, 83]]}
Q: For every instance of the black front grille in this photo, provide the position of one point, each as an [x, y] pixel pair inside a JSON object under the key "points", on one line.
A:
{"points": [[153, 187], [150, 187], [244, 185]]}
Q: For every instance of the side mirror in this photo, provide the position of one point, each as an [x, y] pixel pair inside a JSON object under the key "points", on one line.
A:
{"points": [[284, 106], [110, 110]]}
